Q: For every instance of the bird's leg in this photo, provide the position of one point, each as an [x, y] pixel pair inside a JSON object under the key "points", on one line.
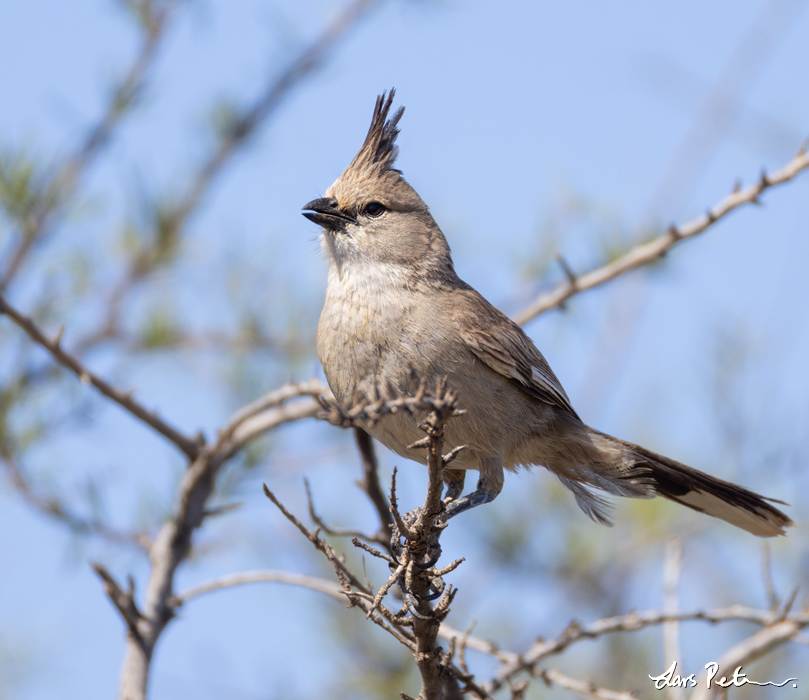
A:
{"points": [[489, 485], [477, 498], [453, 479]]}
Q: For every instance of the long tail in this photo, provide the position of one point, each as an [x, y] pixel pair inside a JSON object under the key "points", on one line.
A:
{"points": [[695, 489]]}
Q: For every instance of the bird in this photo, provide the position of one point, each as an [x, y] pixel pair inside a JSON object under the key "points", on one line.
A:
{"points": [[396, 311]]}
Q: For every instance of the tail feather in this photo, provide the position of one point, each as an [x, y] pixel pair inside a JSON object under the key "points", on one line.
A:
{"points": [[707, 494], [699, 491], [624, 469]]}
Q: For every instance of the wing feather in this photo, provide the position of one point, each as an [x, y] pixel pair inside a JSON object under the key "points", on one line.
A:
{"points": [[503, 346]]}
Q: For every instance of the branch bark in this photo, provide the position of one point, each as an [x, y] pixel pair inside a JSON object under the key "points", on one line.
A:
{"points": [[650, 251], [124, 399], [155, 22]]}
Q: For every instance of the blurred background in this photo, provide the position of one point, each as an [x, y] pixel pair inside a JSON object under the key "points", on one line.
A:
{"points": [[531, 129]]}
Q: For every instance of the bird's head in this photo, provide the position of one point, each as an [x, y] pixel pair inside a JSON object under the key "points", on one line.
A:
{"points": [[371, 214]]}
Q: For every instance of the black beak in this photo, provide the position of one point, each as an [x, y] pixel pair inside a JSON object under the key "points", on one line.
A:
{"points": [[324, 212]]}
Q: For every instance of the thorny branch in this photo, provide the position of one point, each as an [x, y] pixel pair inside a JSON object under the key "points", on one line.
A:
{"points": [[651, 250], [777, 627], [358, 594], [414, 548]]}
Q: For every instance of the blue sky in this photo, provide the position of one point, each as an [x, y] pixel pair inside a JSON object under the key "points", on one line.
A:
{"points": [[517, 114]]}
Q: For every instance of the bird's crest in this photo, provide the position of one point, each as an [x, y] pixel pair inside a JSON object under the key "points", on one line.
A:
{"points": [[377, 154]]}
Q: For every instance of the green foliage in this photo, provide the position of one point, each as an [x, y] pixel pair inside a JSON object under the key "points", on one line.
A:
{"points": [[27, 186], [159, 329]]}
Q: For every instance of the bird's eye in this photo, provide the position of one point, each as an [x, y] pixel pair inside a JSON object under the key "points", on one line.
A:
{"points": [[375, 209]]}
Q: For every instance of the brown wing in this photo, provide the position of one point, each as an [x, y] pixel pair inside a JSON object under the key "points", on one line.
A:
{"points": [[504, 347]]}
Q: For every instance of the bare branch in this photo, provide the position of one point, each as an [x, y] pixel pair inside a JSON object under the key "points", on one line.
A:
{"points": [[671, 628], [370, 484], [321, 585], [745, 652], [190, 447], [586, 688], [268, 412], [415, 539], [70, 174], [481, 645], [575, 632], [123, 601], [650, 251], [58, 509], [320, 544], [359, 595], [291, 390]]}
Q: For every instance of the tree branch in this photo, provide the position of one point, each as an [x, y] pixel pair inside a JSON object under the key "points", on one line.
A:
{"points": [[586, 688], [190, 447], [155, 21], [244, 125], [747, 651], [124, 601], [671, 628], [647, 252], [268, 412], [371, 486], [513, 663], [350, 583], [415, 548], [321, 585], [56, 508]]}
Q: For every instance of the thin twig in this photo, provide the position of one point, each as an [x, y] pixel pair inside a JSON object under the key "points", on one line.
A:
{"points": [[575, 632], [745, 652], [766, 570], [59, 509], [359, 594], [74, 167], [190, 447], [319, 543], [671, 628], [371, 486], [123, 600], [321, 585], [586, 688], [650, 251]]}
